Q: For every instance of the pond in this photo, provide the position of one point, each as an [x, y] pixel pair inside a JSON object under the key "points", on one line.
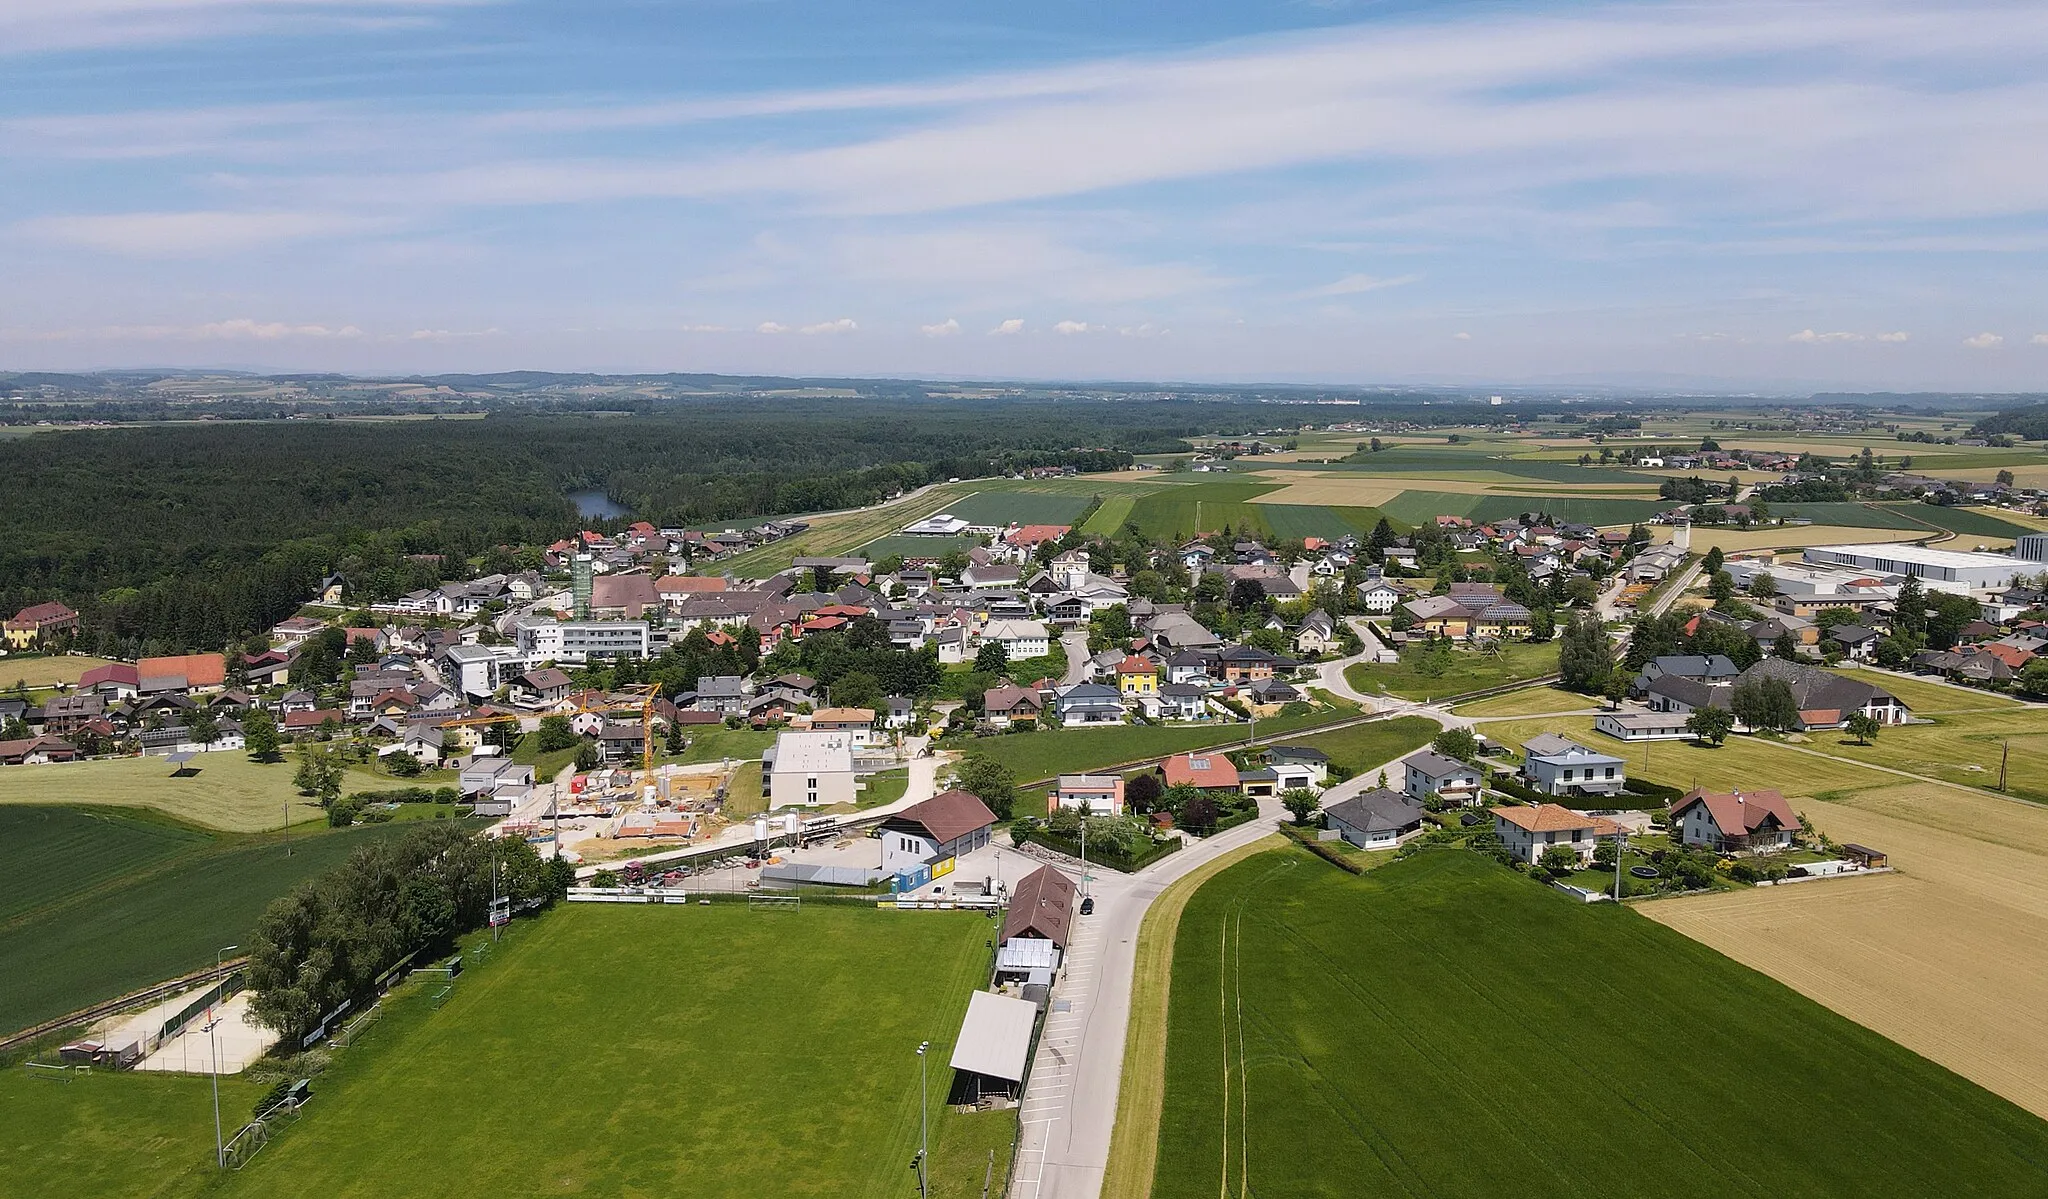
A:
{"points": [[596, 503]]}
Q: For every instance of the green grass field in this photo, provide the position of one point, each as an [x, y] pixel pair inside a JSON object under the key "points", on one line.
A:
{"points": [[1415, 507], [1970, 522], [715, 1051], [1176, 513], [909, 545], [1366, 746], [139, 1136], [1109, 519], [1747, 762], [227, 792], [1470, 670], [1020, 507], [1443, 1027], [1048, 752], [36, 672], [1532, 701], [1854, 515], [713, 744], [100, 903], [1929, 698]]}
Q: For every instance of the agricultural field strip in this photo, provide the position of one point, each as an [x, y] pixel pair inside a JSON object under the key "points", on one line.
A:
{"points": [[1507, 1122]]}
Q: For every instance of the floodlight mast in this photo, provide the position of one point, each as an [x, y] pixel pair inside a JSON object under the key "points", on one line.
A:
{"points": [[924, 1121], [220, 1152]]}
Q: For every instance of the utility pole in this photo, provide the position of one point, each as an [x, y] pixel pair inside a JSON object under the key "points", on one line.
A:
{"points": [[1620, 848], [287, 826], [924, 1123], [220, 1150], [2004, 752]]}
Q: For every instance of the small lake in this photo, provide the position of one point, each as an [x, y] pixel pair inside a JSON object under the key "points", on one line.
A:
{"points": [[596, 503]]}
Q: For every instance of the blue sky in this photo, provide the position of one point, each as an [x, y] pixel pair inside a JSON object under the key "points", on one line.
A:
{"points": [[1749, 195]]}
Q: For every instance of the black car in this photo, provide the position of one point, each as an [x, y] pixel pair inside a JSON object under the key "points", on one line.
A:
{"points": [[1088, 905]]}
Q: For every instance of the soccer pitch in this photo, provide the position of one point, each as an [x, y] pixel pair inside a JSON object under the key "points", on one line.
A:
{"points": [[1441, 1026], [699, 1051]]}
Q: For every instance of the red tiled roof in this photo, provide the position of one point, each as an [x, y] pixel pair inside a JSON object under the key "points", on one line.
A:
{"points": [[198, 670], [689, 584], [112, 672], [1739, 812], [1202, 770], [1556, 818]]}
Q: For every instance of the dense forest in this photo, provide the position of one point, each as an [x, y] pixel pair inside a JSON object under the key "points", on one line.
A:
{"points": [[186, 536], [2030, 423]]}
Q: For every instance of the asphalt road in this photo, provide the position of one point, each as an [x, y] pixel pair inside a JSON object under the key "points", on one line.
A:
{"points": [[1069, 1108]]}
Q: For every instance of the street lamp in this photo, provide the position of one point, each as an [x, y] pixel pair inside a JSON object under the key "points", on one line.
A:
{"points": [[220, 1152], [924, 1122]]}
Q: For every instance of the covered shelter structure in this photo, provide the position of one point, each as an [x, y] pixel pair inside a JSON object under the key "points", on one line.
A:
{"points": [[993, 1052]]}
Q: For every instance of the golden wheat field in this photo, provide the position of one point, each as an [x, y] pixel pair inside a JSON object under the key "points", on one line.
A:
{"points": [[1945, 957]]}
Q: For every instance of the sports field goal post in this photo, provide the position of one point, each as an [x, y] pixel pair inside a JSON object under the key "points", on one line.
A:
{"points": [[775, 900]]}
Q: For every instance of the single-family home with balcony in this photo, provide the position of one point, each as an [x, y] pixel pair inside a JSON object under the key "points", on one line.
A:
{"points": [[1735, 822], [1088, 703], [1429, 772], [1557, 765], [1528, 831]]}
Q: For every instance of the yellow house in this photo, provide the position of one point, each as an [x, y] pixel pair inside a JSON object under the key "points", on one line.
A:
{"points": [[1136, 677]]}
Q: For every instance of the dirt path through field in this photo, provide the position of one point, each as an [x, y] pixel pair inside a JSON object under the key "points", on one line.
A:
{"points": [[1944, 957]]}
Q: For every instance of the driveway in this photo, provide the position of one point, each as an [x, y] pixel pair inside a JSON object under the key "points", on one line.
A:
{"points": [[1075, 643]]}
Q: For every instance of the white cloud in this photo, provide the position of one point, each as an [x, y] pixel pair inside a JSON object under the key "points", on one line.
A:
{"points": [[2038, 339], [444, 336], [235, 329], [1009, 328], [843, 325], [1901, 335], [30, 26], [771, 327], [1461, 337], [1984, 341], [1071, 327], [189, 234], [1351, 285], [704, 329], [1809, 337], [946, 328]]}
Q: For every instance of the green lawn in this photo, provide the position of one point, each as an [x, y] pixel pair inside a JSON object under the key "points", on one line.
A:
{"points": [[224, 791], [1020, 507], [1366, 746], [1049, 752], [1443, 1027], [885, 787], [545, 765], [1109, 519], [714, 743], [99, 903], [1532, 701], [1750, 763], [1470, 670], [1930, 698], [45, 670], [661, 1051], [1961, 748], [137, 1136]]}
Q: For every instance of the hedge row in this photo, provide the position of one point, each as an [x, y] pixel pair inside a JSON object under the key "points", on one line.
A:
{"points": [[1307, 840], [407, 795], [1096, 857]]}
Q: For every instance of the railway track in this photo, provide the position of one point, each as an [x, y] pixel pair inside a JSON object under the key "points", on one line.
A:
{"points": [[134, 999]]}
